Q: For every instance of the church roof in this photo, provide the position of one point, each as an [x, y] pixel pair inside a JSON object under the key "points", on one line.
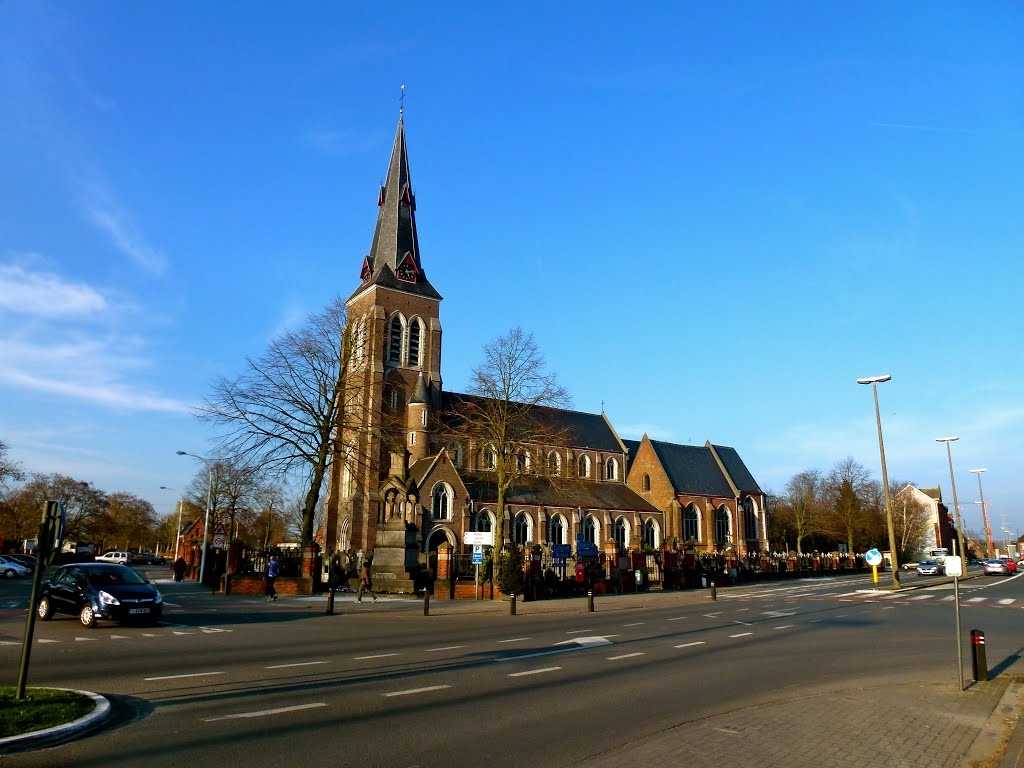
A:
{"points": [[535, 490], [693, 469], [585, 430], [737, 470], [394, 237]]}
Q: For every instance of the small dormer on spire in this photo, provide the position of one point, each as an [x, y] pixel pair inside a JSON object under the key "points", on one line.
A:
{"points": [[420, 395]]}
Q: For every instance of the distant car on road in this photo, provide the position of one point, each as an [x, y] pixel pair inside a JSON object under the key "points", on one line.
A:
{"points": [[12, 569], [147, 558], [930, 568], [95, 591], [996, 568], [121, 558], [1011, 563], [27, 560]]}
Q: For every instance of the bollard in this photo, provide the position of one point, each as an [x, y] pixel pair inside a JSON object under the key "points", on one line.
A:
{"points": [[426, 603], [979, 664], [714, 592], [512, 605], [330, 601], [590, 601]]}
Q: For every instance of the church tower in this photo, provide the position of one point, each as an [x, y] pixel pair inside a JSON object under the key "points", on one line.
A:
{"points": [[396, 372]]}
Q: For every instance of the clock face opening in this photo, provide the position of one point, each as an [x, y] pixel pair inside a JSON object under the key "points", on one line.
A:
{"points": [[407, 270]]}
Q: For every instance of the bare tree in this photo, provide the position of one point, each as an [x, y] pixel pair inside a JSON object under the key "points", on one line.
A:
{"points": [[505, 415], [911, 520], [804, 504], [846, 489], [291, 409], [9, 469]]}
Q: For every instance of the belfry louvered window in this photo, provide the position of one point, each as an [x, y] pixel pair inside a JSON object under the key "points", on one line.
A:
{"points": [[414, 343], [395, 340]]}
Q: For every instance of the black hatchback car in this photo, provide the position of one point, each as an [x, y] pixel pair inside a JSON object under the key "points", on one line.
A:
{"points": [[94, 591]]}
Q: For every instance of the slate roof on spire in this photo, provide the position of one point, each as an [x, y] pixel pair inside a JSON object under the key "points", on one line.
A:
{"points": [[394, 238]]}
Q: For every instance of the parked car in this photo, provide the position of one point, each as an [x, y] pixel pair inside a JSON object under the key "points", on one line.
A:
{"points": [[147, 558], [996, 568], [94, 591], [121, 558], [1011, 563], [930, 568], [12, 569], [27, 560]]}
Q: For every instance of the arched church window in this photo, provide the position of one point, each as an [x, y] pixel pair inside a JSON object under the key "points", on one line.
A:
{"points": [[691, 527], [584, 466], [619, 532], [523, 462], [554, 463], [647, 483], [415, 328], [612, 470], [442, 502], [590, 530], [490, 458], [721, 526], [557, 530], [395, 333], [650, 534], [521, 529], [749, 519], [483, 521]]}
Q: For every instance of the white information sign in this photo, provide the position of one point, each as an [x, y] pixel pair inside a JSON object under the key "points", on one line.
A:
{"points": [[954, 565], [483, 538]]}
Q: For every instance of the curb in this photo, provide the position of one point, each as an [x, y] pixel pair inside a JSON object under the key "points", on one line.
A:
{"points": [[1006, 712], [60, 733]]}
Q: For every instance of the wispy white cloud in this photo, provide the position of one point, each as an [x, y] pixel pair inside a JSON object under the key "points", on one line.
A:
{"points": [[102, 210], [43, 294]]}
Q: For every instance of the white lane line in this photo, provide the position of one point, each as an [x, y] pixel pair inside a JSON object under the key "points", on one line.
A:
{"points": [[176, 632], [83, 639], [778, 614], [840, 616], [296, 664], [785, 626], [625, 656], [949, 598], [119, 637], [814, 621], [711, 615], [688, 645], [533, 672], [634, 624], [969, 600], [264, 713], [920, 597], [411, 691], [374, 656], [178, 677], [578, 631], [744, 623], [677, 618], [1008, 601], [742, 634], [742, 609], [514, 640], [41, 640], [445, 648], [9, 642]]}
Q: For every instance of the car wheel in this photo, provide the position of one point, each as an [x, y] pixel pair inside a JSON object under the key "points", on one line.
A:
{"points": [[9, 573], [87, 617], [45, 609]]}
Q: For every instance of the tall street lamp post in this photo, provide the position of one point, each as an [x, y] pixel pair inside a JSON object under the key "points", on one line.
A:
{"points": [[206, 520], [874, 381], [956, 506], [984, 511], [177, 531]]}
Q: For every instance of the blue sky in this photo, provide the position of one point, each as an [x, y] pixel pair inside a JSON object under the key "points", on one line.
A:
{"points": [[714, 217]]}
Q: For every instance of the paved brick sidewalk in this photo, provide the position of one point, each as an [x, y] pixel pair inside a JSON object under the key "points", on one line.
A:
{"points": [[916, 726]]}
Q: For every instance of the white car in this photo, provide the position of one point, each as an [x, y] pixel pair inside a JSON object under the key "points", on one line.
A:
{"points": [[121, 558], [10, 569]]}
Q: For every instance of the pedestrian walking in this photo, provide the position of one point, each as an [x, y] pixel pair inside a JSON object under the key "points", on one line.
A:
{"points": [[179, 569], [273, 570], [365, 583]]}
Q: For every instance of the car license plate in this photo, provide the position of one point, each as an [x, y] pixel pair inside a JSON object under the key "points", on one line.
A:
{"points": [[138, 610]]}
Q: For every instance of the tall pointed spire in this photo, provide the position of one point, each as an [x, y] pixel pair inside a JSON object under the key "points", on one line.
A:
{"points": [[394, 258]]}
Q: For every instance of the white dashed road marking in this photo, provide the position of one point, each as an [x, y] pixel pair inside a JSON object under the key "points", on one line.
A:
{"points": [[178, 677], [445, 648], [515, 640], [742, 634], [411, 691], [688, 645], [265, 712], [296, 664], [534, 672], [374, 656], [785, 626], [625, 656]]}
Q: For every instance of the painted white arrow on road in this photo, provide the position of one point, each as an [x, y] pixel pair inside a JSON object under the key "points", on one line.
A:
{"points": [[577, 643]]}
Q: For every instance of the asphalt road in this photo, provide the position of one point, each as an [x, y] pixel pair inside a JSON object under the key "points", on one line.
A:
{"points": [[246, 681]]}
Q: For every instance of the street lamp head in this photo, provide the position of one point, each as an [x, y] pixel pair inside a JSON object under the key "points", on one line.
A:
{"points": [[946, 439], [874, 379], [181, 453], [978, 471], [166, 488]]}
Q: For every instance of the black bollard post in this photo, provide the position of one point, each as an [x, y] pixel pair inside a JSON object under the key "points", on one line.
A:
{"points": [[330, 601], [426, 603], [979, 664], [512, 605], [714, 592], [590, 601]]}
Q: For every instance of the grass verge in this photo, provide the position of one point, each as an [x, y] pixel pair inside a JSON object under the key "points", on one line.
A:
{"points": [[41, 708]]}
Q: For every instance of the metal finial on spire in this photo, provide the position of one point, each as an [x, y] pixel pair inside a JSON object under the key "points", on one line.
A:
{"points": [[401, 102]]}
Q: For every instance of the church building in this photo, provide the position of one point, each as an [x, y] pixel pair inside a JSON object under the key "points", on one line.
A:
{"points": [[596, 488]]}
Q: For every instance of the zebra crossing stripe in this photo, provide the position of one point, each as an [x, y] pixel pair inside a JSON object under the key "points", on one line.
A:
{"points": [[921, 597], [1008, 601], [977, 599]]}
